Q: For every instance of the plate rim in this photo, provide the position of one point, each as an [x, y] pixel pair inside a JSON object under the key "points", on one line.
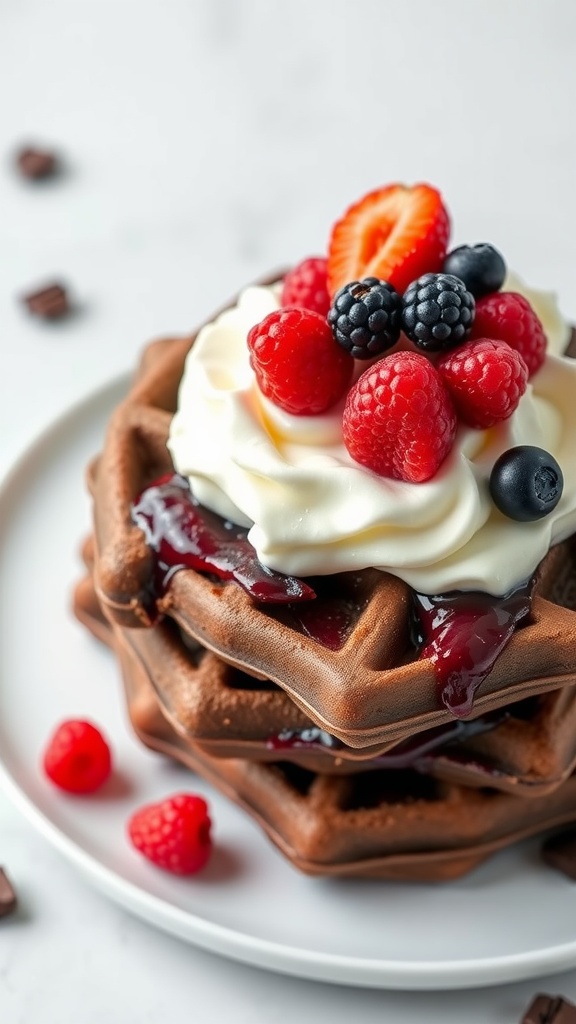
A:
{"points": [[401, 975]]}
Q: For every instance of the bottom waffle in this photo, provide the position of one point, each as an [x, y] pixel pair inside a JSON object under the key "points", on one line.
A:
{"points": [[528, 748], [398, 825]]}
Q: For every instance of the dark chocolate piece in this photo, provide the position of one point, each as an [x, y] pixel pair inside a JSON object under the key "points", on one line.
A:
{"points": [[7, 895], [49, 303], [560, 852], [36, 164], [545, 1009]]}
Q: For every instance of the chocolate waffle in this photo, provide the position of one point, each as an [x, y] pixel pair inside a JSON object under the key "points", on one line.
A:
{"points": [[207, 699], [369, 692], [380, 824], [528, 748]]}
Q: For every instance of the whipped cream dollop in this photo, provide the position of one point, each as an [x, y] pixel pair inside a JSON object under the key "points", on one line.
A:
{"points": [[310, 509]]}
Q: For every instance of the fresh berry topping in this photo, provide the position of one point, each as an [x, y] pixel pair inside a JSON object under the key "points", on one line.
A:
{"points": [[297, 363], [395, 233], [399, 420], [77, 758], [438, 312], [306, 286], [365, 317], [510, 317], [481, 267], [486, 380], [526, 483], [173, 834]]}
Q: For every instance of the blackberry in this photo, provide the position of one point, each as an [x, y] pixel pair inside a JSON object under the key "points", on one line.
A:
{"points": [[438, 312], [526, 483], [481, 267], [365, 317]]}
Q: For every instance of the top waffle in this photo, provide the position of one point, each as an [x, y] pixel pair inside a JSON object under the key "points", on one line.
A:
{"points": [[374, 688]]}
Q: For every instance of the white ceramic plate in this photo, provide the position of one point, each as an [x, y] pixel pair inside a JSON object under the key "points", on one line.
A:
{"points": [[511, 919]]}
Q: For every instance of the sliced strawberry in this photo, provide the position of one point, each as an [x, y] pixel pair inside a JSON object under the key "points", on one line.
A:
{"points": [[396, 234]]}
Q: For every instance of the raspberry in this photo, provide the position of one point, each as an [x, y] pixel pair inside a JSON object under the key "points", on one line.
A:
{"points": [[510, 317], [77, 758], [174, 834], [365, 317], [438, 311], [297, 363], [306, 286], [486, 380], [399, 420]]}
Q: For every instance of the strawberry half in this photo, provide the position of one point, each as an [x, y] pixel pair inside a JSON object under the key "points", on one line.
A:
{"points": [[396, 234]]}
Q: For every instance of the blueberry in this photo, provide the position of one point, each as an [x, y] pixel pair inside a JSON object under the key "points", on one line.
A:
{"points": [[481, 267], [526, 483]]}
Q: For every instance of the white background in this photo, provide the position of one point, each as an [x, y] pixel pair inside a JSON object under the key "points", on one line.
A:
{"points": [[206, 143]]}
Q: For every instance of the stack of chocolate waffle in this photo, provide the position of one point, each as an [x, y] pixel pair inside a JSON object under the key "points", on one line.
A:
{"points": [[322, 718]]}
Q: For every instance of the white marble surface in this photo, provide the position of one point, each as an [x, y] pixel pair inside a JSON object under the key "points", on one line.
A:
{"points": [[206, 142]]}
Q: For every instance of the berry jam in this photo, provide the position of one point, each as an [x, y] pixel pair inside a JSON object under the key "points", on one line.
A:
{"points": [[310, 738], [329, 619], [185, 535], [462, 634], [328, 623], [414, 752]]}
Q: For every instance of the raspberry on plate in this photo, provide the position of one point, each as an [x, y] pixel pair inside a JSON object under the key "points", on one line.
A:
{"points": [[486, 380], [509, 317], [396, 234], [77, 758], [174, 834], [298, 364], [399, 420], [306, 285]]}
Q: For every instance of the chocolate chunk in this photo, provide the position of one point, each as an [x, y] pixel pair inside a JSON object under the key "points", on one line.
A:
{"points": [[36, 164], [545, 1009], [7, 895], [560, 852], [50, 303]]}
